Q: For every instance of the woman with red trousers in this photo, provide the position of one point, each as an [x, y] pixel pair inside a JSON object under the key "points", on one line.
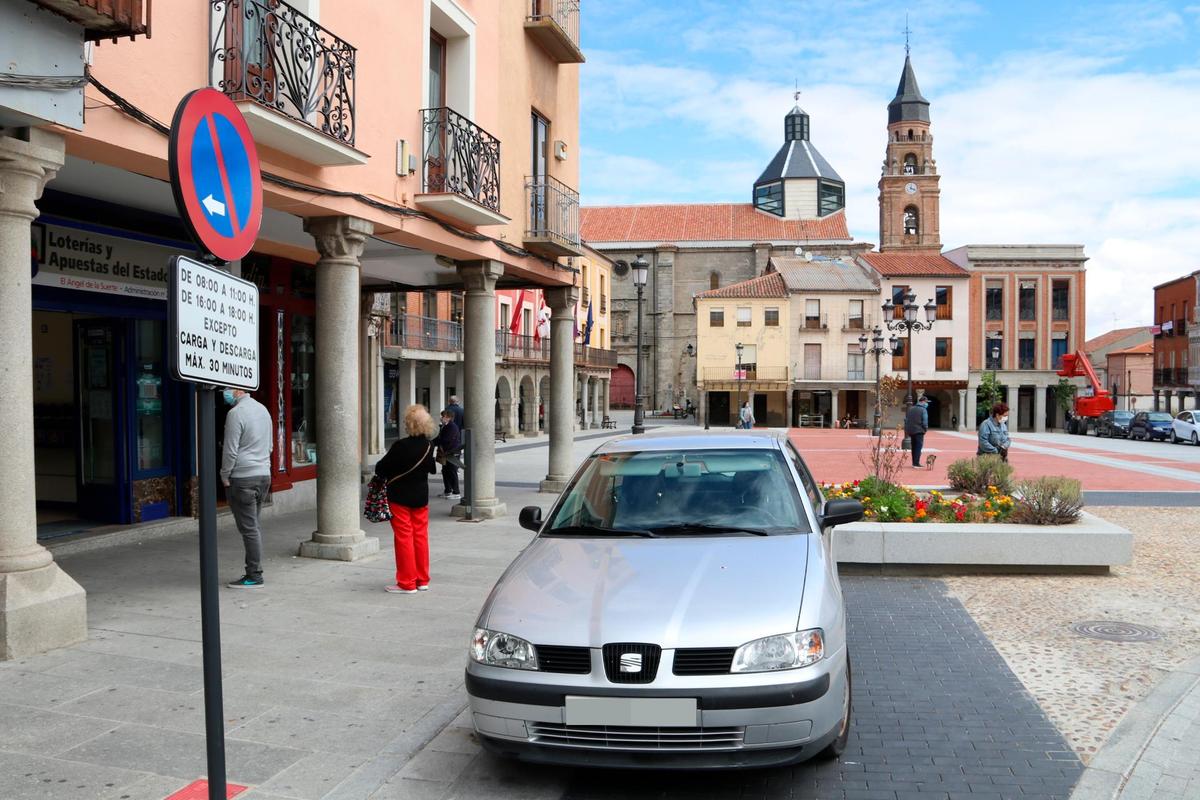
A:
{"points": [[407, 467]]}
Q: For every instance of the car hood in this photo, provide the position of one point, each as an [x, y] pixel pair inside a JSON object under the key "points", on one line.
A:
{"points": [[710, 591]]}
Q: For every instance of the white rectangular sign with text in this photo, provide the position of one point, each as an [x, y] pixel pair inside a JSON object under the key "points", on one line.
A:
{"points": [[214, 326]]}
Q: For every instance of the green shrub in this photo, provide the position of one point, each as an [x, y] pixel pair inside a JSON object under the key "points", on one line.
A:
{"points": [[977, 474], [1049, 500], [889, 502]]}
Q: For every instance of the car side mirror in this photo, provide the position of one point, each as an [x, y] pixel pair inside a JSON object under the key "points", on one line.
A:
{"points": [[531, 518], [841, 512]]}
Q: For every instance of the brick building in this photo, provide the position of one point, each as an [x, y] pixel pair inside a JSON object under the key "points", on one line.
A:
{"points": [[1174, 316]]}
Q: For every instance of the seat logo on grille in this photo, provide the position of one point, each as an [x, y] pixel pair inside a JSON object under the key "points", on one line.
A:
{"points": [[631, 662]]}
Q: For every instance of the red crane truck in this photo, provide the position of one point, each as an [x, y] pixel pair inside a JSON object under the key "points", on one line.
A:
{"points": [[1095, 399]]}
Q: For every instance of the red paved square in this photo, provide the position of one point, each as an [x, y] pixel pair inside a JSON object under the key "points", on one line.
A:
{"points": [[837, 455], [198, 790]]}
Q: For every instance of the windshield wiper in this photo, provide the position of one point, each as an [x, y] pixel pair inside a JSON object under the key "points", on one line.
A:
{"points": [[707, 527], [588, 529]]}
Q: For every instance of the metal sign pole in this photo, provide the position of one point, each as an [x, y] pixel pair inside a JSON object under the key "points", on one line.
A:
{"points": [[468, 494], [210, 614]]}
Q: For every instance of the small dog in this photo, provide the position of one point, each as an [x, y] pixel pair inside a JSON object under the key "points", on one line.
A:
{"points": [[929, 461]]}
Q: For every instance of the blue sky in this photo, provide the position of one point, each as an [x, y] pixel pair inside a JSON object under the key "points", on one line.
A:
{"points": [[1053, 121]]}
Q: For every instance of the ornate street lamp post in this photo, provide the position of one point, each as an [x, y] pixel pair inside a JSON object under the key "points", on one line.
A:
{"points": [[909, 323], [640, 269], [739, 347], [876, 349]]}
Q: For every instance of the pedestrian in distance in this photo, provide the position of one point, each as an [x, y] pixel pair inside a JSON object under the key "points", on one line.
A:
{"points": [[916, 423], [746, 417], [993, 433], [406, 467], [246, 473], [457, 410], [449, 449]]}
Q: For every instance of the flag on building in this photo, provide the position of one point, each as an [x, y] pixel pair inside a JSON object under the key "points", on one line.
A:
{"points": [[541, 325], [587, 329], [515, 326]]}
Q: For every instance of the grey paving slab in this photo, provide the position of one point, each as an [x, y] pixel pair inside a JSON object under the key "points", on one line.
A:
{"points": [[317, 730], [42, 691], [314, 776], [130, 671], [166, 752], [39, 732], [181, 711], [33, 777]]}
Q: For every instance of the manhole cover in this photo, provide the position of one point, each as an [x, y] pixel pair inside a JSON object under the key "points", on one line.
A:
{"points": [[1116, 631]]}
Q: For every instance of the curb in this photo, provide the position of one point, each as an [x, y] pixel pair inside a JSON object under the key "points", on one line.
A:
{"points": [[1110, 771]]}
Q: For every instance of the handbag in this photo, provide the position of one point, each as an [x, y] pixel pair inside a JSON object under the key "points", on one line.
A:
{"points": [[375, 507]]}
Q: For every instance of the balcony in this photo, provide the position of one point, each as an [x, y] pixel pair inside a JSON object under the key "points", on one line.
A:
{"points": [[460, 169], [292, 79], [514, 347], [753, 372], [552, 227], [1171, 376], [857, 322], [819, 322], [554, 25], [103, 19], [595, 356], [414, 332]]}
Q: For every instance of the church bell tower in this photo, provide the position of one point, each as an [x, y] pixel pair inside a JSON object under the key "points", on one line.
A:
{"points": [[908, 187]]}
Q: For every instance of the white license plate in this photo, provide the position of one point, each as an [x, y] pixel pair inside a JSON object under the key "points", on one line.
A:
{"points": [[640, 712]]}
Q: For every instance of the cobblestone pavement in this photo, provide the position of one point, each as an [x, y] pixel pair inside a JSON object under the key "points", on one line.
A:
{"points": [[1087, 685]]}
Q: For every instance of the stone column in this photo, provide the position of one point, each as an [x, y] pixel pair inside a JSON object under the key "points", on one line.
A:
{"points": [[1039, 409], [372, 387], [594, 382], [787, 404], [583, 401], [560, 410], [606, 397], [340, 242], [460, 380], [479, 391], [437, 388], [833, 408], [972, 408], [41, 607], [407, 388], [962, 409]]}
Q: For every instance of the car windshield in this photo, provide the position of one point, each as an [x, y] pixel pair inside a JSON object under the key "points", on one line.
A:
{"points": [[682, 493], [1124, 416], [1159, 416]]}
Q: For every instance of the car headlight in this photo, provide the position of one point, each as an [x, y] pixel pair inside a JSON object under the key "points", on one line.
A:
{"points": [[502, 650], [786, 651]]}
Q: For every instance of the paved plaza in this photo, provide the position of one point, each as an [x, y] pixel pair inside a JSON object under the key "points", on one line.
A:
{"points": [[335, 689]]}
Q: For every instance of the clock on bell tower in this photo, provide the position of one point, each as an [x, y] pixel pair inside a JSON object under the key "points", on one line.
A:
{"points": [[908, 187]]}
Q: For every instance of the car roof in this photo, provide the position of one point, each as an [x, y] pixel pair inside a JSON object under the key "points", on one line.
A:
{"points": [[694, 440]]}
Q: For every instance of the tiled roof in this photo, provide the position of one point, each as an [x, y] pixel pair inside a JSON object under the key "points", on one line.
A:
{"points": [[763, 287], [822, 275], [1143, 349], [704, 223], [915, 264], [1112, 337]]}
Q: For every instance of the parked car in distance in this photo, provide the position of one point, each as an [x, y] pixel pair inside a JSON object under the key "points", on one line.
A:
{"points": [[679, 608], [1150, 426], [1186, 427], [1114, 423]]}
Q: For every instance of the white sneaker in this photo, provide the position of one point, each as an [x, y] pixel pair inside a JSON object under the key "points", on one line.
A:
{"points": [[453, 497], [394, 589], [424, 588]]}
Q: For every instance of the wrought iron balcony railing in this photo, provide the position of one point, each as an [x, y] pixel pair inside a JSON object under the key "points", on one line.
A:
{"points": [[752, 372], [594, 356], [519, 346], [460, 158], [552, 223], [268, 52], [555, 24], [425, 333]]}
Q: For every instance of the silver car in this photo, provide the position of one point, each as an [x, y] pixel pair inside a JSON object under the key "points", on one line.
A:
{"points": [[679, 607]]}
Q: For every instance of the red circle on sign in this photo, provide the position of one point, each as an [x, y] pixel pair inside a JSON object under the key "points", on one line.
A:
{"points": [[196, 109]]}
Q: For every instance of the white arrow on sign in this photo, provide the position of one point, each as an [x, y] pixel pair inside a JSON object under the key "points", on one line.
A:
{"points": [[213, 206]]}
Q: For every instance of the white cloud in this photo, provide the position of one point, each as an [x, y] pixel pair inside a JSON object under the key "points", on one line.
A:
{"points": [[1050, 146]]}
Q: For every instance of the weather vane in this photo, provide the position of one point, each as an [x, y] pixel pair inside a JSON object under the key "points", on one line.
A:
{"points": [[796, 95], [907, 33]]}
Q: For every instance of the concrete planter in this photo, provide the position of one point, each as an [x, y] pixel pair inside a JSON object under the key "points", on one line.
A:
{"points": [[1089, 543]]}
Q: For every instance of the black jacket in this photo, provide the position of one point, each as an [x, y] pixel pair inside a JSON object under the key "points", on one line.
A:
{"points": [[415, 454], [916, 419], [457, 411], [449, 441]]}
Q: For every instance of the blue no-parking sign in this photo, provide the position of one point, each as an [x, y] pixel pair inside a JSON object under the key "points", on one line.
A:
{"points": [[215, 174]]}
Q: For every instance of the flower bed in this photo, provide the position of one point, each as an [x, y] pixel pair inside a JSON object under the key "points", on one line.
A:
{"points": [[886, 502]]}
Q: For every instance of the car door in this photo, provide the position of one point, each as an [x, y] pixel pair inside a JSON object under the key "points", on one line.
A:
{"points": [[813, 492]]}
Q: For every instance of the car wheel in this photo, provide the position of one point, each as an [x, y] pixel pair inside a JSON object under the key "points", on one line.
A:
{"points": [[1174, 439], [1195, 438], [838, 745]]}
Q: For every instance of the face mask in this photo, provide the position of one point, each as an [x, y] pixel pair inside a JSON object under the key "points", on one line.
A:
{"points": [[1004, 419], [229, 398]]}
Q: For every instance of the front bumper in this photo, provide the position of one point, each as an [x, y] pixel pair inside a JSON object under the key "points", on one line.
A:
{"points": [[772, 724]]}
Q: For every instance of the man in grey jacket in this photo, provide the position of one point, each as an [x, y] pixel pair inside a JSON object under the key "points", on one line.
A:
{"points": [[246, 473], [916, 423]]}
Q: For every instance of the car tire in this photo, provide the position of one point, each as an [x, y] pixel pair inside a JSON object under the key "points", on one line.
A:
{"points": [[1195, 438], [1174, 439], [838, 745]]}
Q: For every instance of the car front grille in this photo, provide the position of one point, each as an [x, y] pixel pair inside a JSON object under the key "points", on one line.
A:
{"points": [[703, 661], [631, 663], [610, 737], [568, 660]]}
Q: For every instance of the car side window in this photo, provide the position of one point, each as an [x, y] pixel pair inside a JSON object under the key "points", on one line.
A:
{"points": [[810, 486]]}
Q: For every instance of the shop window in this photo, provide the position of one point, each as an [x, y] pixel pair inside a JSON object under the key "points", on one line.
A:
{"points": [[149, 406], [304, 390]]}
